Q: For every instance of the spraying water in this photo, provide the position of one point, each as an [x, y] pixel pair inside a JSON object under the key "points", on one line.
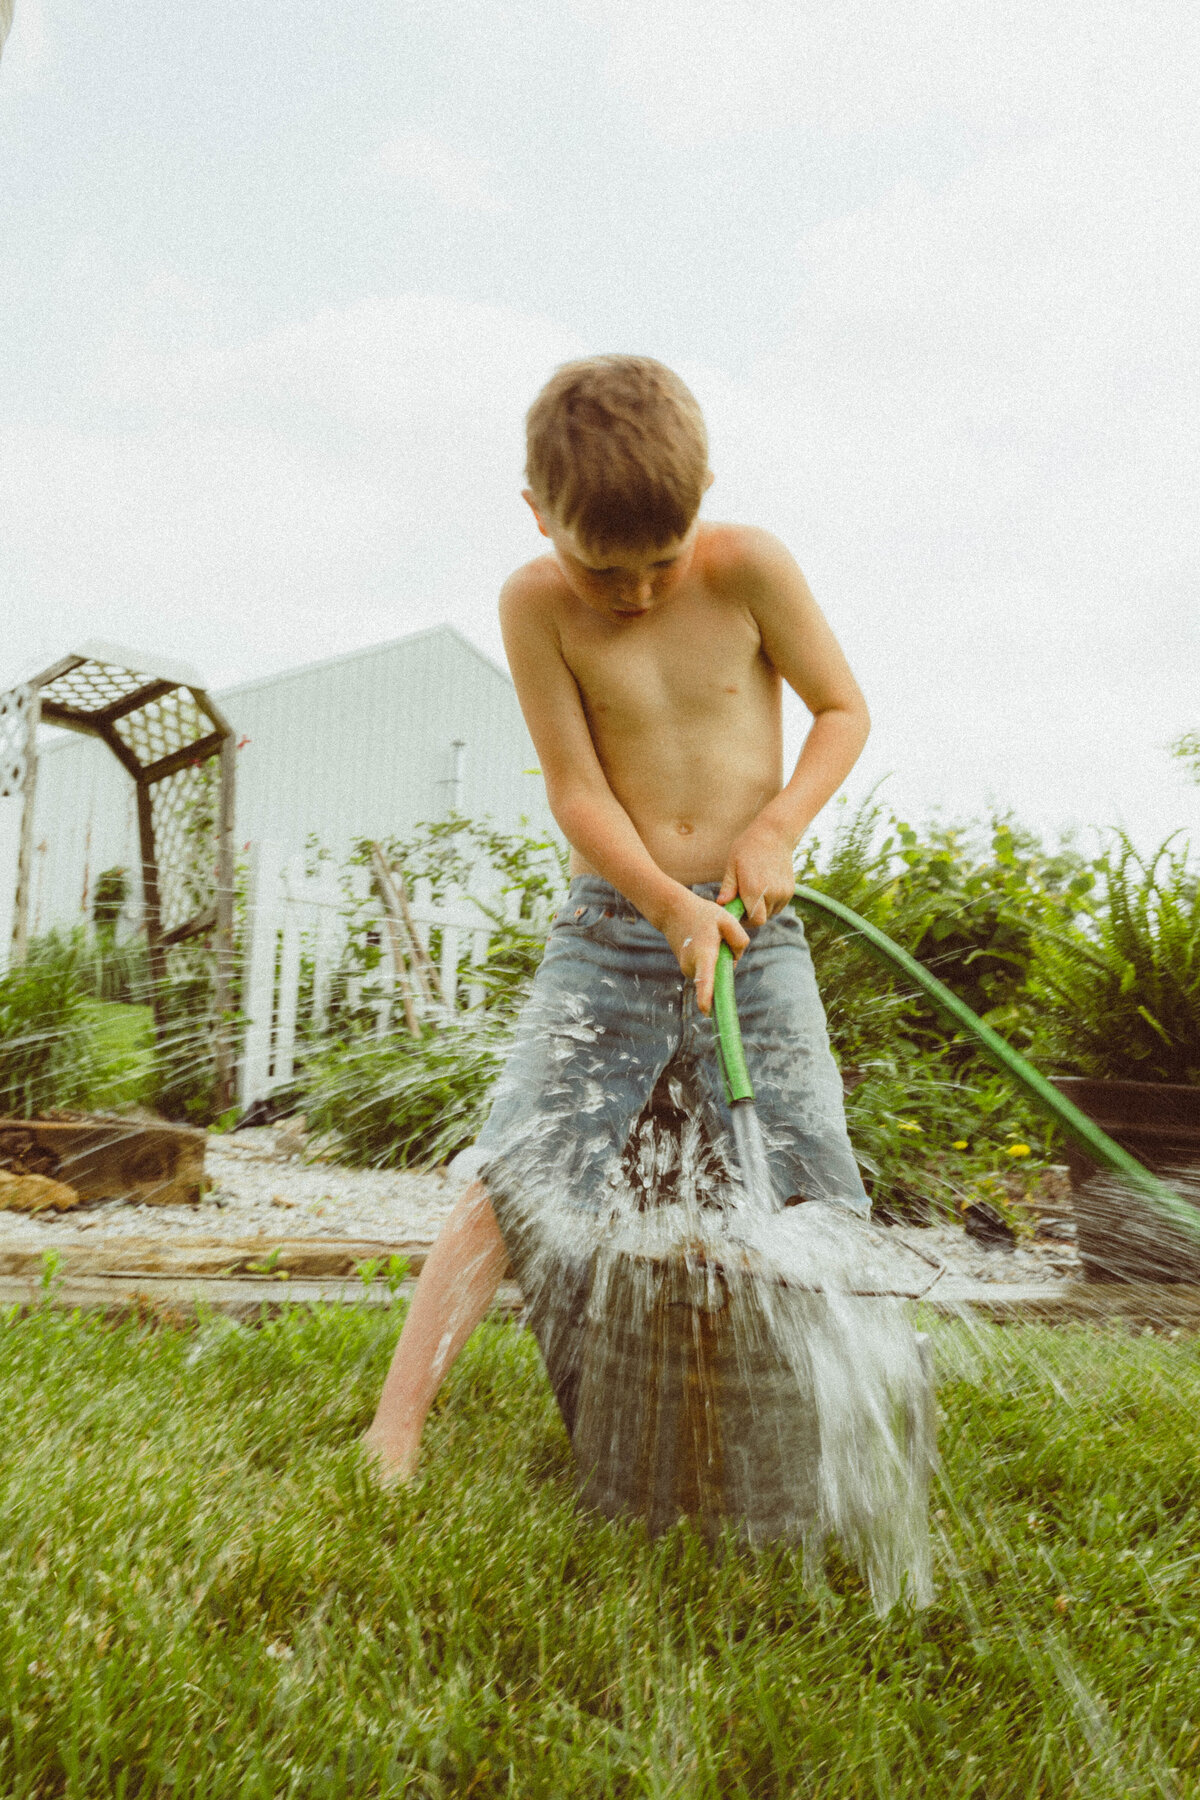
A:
{"points": [[719, 1356]]}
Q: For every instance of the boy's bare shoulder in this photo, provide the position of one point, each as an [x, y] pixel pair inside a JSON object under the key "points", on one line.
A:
{"points": [[740, 559], [532, 590]]}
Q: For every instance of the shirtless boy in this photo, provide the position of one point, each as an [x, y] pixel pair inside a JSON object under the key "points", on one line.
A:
{"points": [[648, 651]]}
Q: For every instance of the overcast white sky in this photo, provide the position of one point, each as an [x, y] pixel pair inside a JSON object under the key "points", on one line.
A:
{"points": [[280, 280]]}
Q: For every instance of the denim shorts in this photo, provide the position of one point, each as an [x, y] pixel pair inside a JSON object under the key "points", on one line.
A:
{"points": [[610, 1011]]}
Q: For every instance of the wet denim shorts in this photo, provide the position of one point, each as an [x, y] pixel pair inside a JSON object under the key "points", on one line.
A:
{"points": [[609, 1011]]}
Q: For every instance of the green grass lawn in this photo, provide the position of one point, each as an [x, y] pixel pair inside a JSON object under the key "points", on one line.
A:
{"points": [[202, 1595]]}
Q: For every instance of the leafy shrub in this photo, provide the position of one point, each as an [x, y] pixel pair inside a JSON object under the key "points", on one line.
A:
{"points": [[927, 1139], [932, 1120], [66, 1045], [965, 900], [394, 1101], [47, 1040], [185, 1052], [1122, 1001], [125, 1072]]}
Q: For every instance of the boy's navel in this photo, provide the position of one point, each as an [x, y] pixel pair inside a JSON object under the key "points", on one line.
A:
{"points": [[684, 827]]}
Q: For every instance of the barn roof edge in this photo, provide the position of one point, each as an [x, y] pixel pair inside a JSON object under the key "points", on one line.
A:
{"points": [[329, 662]]}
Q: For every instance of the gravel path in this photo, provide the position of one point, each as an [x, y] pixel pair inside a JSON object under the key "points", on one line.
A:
{"points": [[260, 1191]]}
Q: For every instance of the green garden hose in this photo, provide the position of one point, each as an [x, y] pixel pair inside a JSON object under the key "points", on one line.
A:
{"points": [[729, 1032], [1099, 1146]]}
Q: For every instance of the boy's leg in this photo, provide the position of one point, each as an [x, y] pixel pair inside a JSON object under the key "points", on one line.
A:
{"points": [[456, 1287]]}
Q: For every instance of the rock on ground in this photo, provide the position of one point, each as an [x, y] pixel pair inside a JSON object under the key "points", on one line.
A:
{"points": [[35, 1194]]}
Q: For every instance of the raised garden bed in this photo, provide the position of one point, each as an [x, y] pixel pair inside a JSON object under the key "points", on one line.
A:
{"points": [[1119, 1238]]}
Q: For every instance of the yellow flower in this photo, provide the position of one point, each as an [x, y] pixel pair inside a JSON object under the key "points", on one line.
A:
{"points": [[961, 1144], [907, 1125], [1018, 1150]]}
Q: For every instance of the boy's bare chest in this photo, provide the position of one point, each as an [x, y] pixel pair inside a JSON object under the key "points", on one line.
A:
{"points": [[683, 663]]}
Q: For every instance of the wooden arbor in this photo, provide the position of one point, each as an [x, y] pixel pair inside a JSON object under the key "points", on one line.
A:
{"points": [[169, 734]]}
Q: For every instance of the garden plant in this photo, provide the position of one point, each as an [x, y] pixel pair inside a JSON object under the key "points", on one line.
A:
{"points": [[1121, 1001]]}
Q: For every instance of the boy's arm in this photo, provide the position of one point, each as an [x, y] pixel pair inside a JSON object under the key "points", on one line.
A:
{"points": [[797, 640], [591, 817]]}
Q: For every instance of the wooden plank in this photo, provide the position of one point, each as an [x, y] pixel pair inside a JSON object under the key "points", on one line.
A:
{"points": [[247, 1296], [262, 907], [1154, 1305], [198, 752], [154, 690], [19, 942], [423, 968], [151, 908], [223, 946], [11, 809], [63, 666], [315, 1259], [397, 930], [121, 751], [180, 1302], [196, 926]]}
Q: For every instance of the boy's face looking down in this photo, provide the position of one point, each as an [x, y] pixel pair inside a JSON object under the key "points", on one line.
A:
{"points": [[614, 582]]}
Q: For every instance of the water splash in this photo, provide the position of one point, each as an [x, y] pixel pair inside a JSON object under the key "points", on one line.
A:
{"points": [[719, 1357]]}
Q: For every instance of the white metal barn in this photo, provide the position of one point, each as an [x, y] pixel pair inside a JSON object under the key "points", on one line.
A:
{"points": [[365, 744]]}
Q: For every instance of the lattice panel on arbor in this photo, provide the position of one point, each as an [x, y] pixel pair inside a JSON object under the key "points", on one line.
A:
{"points": [[163, 726], [93, 687], [15, 709], [184, 810]]}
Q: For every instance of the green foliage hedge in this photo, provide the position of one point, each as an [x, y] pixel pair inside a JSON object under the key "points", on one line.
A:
{"points": [[77, 1031], [1122, 1001]]}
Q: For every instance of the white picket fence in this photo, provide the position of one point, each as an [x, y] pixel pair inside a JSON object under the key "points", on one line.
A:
{"points": [[291, 912]]}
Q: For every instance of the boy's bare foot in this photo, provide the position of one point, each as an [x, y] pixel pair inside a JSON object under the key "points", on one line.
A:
{"points": [[388, 1469], [456, 1287]]}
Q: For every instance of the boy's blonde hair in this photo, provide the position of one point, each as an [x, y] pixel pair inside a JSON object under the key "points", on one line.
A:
{"points": [[617, 451]]}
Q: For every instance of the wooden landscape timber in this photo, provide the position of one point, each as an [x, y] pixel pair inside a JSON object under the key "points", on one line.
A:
{"points": [[314, 1259], [148, 1163], [239, 1278]]}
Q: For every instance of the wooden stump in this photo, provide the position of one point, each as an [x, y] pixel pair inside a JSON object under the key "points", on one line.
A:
{"points": [[153, 1164]]}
